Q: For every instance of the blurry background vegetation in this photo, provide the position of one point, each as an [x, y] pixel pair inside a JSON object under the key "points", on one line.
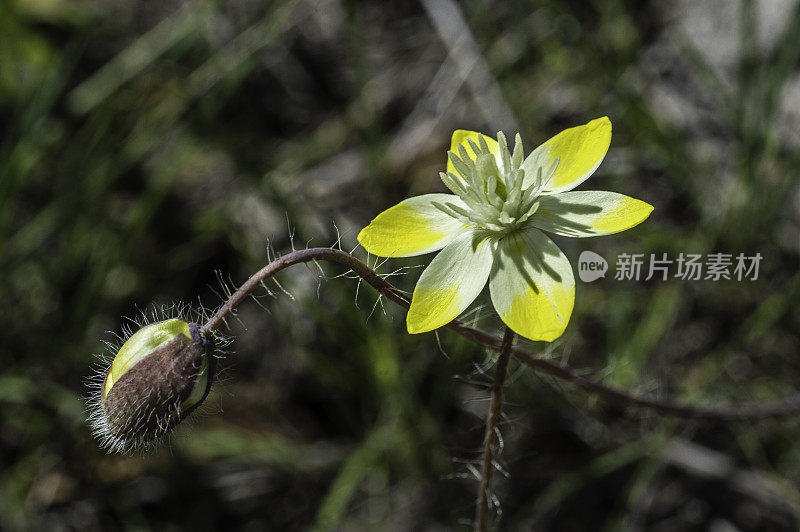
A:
{"points": [[148, 145]]}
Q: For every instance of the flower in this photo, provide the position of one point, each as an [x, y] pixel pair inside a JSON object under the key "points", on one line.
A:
{"points": [[491, 228], [159, 375]]}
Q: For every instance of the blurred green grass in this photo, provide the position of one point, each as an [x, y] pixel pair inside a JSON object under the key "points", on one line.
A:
{"points": [[146, 147]]}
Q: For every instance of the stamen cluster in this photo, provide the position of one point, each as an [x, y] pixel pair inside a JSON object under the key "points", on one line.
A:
{"points": [[493, 193]]}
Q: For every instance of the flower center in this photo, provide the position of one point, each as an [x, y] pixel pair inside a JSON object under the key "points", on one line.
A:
{"points": [[491, 186]]}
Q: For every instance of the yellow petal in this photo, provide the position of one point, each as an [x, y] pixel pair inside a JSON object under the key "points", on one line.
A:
{"points": [[452, 280], [412, 227], [462, 136], [532, 286], [589, 213], [579, 151]]}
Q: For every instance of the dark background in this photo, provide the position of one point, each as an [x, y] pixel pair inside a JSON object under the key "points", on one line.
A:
{"points": [[152, 151]]}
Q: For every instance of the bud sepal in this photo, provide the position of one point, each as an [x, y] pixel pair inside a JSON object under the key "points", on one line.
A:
{"points": [[158, 377]]}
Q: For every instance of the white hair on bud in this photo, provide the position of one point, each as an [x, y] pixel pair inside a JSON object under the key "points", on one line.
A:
{"points": [[95, 383]]}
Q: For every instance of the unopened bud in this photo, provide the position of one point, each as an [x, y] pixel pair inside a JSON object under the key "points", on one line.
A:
{"points": [[159, 375]]}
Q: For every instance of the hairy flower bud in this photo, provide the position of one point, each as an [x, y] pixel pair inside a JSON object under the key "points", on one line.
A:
{"points": [[159, 375]]}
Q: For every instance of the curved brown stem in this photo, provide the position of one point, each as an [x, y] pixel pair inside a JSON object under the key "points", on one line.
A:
{"points": [[489, 437], [782, 408]]}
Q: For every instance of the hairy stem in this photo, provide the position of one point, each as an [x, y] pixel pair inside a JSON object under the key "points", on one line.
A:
{"points": [[297, 257], [489, 437], [782, 408]]}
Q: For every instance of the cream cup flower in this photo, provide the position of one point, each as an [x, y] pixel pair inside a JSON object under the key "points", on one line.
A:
{"points": [[492, 226]]}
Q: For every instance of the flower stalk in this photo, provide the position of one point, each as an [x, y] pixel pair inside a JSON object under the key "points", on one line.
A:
{"points": [[779, 409], [490, 436]]}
